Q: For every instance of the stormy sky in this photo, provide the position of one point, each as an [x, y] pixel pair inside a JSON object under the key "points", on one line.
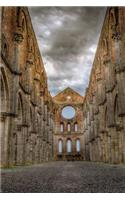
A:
{"points": [[67, 38]]}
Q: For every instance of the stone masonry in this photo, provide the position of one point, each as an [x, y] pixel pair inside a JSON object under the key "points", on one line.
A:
{"points": [[26, 118], [30, 119], [68, 97], [104, 103]]}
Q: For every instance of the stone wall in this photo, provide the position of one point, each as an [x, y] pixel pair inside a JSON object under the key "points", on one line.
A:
{"points": [[28, 112], [26, 117], [64, 134], [104, 103]]}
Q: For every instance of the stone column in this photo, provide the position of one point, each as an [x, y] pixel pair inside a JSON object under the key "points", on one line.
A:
{"points": [[106, 147], [114, 146], [90, 151], [17, 38], [19, 145], [123, 147], [97, 150], [0, 27], [14, 86], [64, 148], [4, 125]]}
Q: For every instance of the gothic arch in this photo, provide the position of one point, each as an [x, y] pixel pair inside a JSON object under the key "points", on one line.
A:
{"points": [[4, 121], [105, 46], [18, 139], [112, 18], [75, 126], [62, 127], [69, 145], [22, 28], [21, 19], [78, 145], [60, 146], [4, 91], [31, 47], [4, 47], [20, 109], [68, 126], [113, 21]]}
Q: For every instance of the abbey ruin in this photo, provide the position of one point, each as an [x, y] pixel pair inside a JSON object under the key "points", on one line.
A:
{"points": [[32, 128]]}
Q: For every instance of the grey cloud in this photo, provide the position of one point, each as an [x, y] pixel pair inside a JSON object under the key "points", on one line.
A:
{"points": [[67, 38]]}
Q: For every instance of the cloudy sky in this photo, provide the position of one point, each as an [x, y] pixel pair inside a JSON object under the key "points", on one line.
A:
{"points": [[67, 38]]}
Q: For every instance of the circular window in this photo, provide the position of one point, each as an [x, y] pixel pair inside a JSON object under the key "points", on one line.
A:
{"points": [[68, 112]]}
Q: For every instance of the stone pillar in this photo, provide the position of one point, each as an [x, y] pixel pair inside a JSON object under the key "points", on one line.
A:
{"points": [[90, 151], [2, 137], [123, 147], [73, 147], [114, 146], [11, 145], [96, 150], [109, 148], [41, 151], [121, 91], [44, 150], [97, 143], [0, 27], [4, 125], [17, 38], [19, 145], [64, 148], [106, 147]]}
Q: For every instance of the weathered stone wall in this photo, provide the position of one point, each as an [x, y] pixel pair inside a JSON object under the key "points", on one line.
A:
{"points": [[26, 117], [104, 104], [68, 97], [28, 112]]}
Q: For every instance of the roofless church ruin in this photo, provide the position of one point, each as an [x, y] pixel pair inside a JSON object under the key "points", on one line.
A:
{"points": [[36, 127]]}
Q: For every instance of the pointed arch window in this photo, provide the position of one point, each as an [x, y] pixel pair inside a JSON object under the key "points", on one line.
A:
{"points": [[76, 127], [62, 127], [68, 127], [78, 145], [60, 146], [69, 146]]}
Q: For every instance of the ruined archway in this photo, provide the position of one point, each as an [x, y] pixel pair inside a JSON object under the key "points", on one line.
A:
{"points": [[4, 120]]}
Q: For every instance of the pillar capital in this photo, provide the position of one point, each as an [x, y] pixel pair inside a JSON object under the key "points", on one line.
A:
{"points": [[116, 34], [18, 37]]}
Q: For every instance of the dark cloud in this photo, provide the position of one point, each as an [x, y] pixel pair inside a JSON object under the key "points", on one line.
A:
{"points": [[67, 37]]}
